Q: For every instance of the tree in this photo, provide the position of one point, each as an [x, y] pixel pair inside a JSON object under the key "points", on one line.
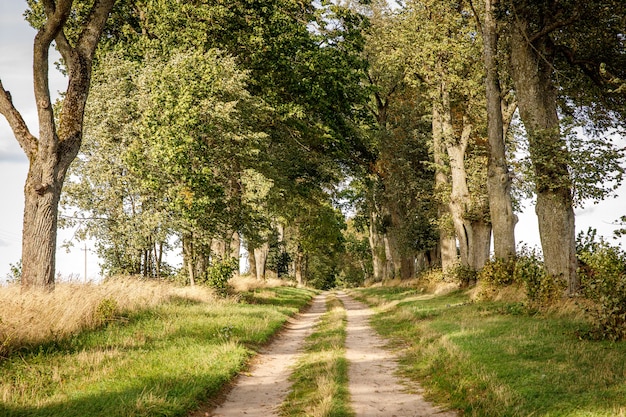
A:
{"points": [[583, 43], [60, 135], [165, 143], [394, 188], [440, 39], [200, 153], [503, 219]]}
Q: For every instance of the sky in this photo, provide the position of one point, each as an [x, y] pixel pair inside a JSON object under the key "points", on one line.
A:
{"points": [[16, 39]]}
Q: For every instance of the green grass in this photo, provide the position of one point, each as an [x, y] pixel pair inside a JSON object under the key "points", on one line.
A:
{"points": [[493, 359], [320, 378], [159, 362]]}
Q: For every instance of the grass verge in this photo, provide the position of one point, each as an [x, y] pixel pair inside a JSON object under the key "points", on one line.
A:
{"points": [[162, 361], [493, 359], [320, 377]]}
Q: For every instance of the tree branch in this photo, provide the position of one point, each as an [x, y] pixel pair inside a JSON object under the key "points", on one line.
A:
{"points": [[476, 16], [590, 68], [552, 27], [89, 37], [26, 140], [57, 14]]}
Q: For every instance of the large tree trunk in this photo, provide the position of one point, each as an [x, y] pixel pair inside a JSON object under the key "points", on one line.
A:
{"points": [[447, 241], [251, 261], [470, 219], [188, 258], [40, 226], [503, 219], [473, 231], [260, 258], [377, 246], [532, 71], [51, 154], [235, 246], [299, 266], [480, 244]]}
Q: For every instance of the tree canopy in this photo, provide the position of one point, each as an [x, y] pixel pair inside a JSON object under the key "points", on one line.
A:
{"points": [[326, 137]]}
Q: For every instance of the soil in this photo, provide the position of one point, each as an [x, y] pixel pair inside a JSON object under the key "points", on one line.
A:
{"points": [[375, 388]]}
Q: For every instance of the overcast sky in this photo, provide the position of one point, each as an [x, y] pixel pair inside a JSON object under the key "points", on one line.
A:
{"points": [[16, 38]]}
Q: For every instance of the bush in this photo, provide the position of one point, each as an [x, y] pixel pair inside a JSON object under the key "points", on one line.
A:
{"points": [[461, 274], [497, 273], [15, 273], [526, 270], [603, 280], [106, 311], [219, 273], [541, 288]]}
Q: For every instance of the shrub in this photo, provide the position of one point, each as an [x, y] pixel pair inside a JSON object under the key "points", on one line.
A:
{"points": [[541, 288], [15, 273], [461, 274], [603, 280], [498, 272], [219, 273], [526, 270], [495, 274], [106, 311]]}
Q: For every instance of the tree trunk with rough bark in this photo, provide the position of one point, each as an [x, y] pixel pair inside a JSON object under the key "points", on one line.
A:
{"points": [[251, 262], [377, 246], [299, 266], [447, 240], [503, 219], [51, 154], [188, 258], [472, 230], [260, 258], [532, 72]]}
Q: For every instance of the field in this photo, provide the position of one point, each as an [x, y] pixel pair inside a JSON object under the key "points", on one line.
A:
{"points": [[162, 354]]}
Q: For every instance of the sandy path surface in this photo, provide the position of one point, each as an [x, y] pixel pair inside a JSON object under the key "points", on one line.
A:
{"points": [[259, 392], [374, 388]]}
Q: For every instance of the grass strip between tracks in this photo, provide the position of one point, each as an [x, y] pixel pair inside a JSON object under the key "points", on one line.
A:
{"points": [[320, 377]]}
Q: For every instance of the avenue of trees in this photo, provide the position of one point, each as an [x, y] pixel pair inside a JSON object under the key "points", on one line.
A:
{"points": [[338, 141]]}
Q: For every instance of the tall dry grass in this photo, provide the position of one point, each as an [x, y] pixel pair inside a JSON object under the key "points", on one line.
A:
{"points": [[32, 317], [247, 283]]}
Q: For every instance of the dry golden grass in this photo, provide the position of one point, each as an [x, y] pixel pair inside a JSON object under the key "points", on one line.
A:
{"points": [[248, 282], [30, 317]]}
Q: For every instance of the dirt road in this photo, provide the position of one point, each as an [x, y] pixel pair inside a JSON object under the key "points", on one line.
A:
{"points": [[374, 388]]}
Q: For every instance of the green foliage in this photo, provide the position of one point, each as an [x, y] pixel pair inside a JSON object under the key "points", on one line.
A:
{"points": [[218, 274], [463, 275], [497, 272], [106, 311], [196, 106], [356, 261], [527, 270], [278, 258], [14, 276], [602, 271]]}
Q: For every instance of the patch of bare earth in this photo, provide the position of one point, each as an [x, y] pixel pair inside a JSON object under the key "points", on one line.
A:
{"points": [[374, 387], [260, 391]]}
